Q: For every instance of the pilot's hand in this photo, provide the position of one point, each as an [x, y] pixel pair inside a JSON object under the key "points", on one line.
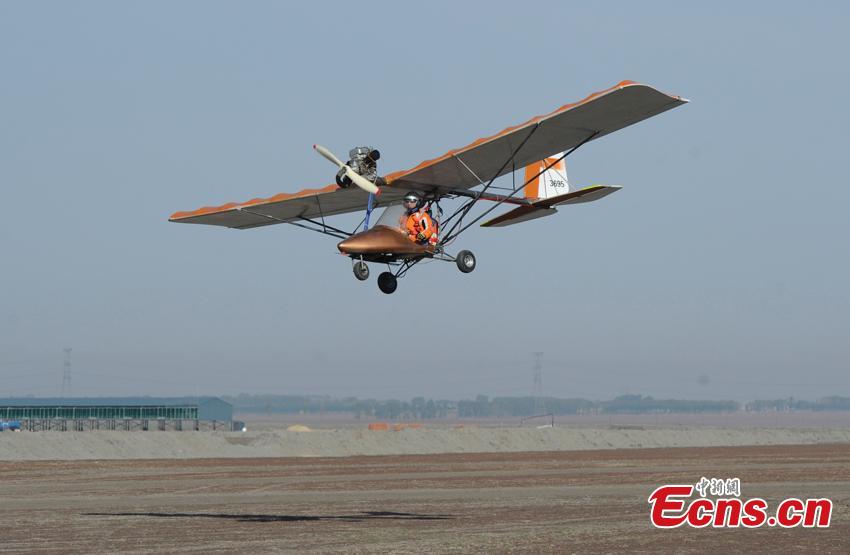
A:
{"points": [[420, 236]]}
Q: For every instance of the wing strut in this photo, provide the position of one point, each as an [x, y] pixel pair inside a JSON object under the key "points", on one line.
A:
{"points": [[450, 236], [323, 228], [369, 206], [466, 207]]}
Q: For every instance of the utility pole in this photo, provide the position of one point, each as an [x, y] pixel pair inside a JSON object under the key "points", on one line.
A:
{"points": [[66, 373], [537, 371]]}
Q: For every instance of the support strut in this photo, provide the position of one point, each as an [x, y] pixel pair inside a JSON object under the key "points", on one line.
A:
{"points": [[449, 236]]}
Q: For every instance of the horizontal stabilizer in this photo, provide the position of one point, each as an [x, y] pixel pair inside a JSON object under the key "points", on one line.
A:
{"points": [[544, 207], [588, 194], [519, 214]]}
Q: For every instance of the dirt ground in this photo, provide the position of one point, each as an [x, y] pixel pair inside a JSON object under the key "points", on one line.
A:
{"points": [[588, 501]]}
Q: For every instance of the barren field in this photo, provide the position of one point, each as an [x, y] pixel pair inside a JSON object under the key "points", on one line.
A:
{"points": [[582, 501]]}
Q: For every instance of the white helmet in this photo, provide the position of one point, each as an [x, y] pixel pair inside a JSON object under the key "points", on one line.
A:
{"points": [[412, 197]]}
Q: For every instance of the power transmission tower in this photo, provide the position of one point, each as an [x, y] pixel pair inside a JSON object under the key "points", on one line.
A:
{"points": [[538, 384], [66, 373]]}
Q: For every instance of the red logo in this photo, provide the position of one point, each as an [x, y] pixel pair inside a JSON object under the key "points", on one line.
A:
{"points": [[672, 506]]}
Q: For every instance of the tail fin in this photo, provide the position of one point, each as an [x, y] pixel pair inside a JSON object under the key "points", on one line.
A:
{"points": [[552, 182], [546, 191]]}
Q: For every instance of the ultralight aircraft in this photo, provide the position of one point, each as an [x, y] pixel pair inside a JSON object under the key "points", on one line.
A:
{"points": [[540, 146]]}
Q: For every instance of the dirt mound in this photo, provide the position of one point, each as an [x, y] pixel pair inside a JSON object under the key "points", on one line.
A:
{"points": [[411, 441]]}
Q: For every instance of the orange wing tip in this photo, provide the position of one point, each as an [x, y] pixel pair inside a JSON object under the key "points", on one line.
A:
{"points": [[203, 211], [253, 202]]}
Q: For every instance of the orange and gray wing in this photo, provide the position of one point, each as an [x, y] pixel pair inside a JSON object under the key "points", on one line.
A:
{"points": [[569, 126], [542, 136], [286, 207]]}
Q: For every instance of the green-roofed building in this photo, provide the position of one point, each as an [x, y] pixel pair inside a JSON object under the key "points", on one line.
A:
{"points": [[137, 409]]}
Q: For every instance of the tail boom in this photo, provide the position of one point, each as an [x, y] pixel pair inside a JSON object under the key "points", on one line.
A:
{"points": [[545, 206]]}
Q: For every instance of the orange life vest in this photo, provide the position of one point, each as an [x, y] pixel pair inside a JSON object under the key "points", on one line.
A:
{"points": [[421, 222]]}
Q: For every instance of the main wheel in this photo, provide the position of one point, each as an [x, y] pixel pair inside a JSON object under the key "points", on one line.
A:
{"points": [[465, 261], [361, 270], [387, 282]]}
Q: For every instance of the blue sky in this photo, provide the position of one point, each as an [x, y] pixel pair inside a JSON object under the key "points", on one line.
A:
{"points": [[725, 255]]}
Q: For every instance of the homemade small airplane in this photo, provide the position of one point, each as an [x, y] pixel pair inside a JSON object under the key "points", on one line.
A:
{"points": [[539, 145]]}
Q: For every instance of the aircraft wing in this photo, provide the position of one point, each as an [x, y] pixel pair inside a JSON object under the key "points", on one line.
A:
{"points": [[603, 112], [282, 208]]}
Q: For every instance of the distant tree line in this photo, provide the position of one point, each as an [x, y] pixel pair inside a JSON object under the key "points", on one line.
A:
{"points": [[417, 408], [525, 406], [827, 403], [483, 406]]}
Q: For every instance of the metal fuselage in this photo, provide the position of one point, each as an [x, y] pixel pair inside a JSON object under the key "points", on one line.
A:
{"points": [[383, 243]]}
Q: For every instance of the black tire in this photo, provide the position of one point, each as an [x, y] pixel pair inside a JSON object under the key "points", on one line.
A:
{"points": [[387, 283], [465, 261], [361, 270]]}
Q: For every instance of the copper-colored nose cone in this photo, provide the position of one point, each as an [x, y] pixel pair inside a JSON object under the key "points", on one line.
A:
{"points": [[380, 239], [354, 244]]}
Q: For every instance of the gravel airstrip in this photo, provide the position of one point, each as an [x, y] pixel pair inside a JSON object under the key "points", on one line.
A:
{"points": [[542, 502], [453, 489]]}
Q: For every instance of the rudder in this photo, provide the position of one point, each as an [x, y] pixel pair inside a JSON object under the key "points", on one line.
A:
{"points": [[551, 182]]}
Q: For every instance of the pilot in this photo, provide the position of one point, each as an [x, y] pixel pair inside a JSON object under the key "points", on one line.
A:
{"points": [[419, 225], [363, 160]]}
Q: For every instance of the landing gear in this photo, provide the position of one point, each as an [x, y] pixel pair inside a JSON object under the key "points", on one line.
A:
{"points": [[387, 283], [465, 261], [361, 270]]}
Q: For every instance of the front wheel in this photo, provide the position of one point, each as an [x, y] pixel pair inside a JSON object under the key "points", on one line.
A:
{"points": [[387, 283], [361, 270], [465, 261]]}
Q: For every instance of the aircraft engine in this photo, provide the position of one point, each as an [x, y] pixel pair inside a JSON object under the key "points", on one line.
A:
{"points": [[363, 159]]}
